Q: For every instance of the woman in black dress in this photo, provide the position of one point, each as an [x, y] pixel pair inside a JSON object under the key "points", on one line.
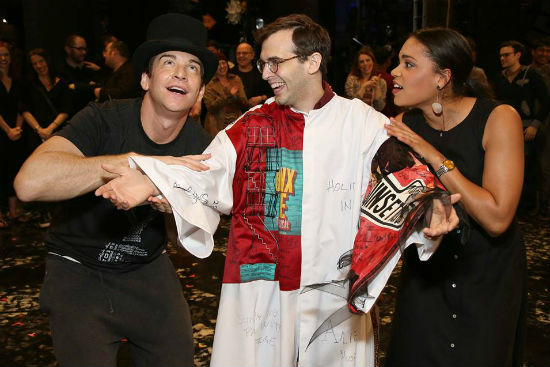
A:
{"points": [[48, 100], [465, 306], [11, 145]]}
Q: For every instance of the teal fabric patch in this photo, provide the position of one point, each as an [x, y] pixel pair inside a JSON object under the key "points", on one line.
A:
{"points": [[286, 185], [263, 271]]}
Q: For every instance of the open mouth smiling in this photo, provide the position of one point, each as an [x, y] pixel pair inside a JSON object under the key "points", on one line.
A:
{"points": [[178, 90], [277, 85]]}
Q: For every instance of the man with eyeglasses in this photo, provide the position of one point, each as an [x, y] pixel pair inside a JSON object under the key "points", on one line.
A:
{"points": [[523, 88], [81, 75], [257, 90], [292, 173]]}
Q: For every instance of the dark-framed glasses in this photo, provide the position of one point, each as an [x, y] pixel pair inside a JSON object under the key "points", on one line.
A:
{"points": [[272, 64]]}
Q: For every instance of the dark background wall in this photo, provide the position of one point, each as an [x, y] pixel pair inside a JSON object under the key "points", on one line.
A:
{"points": [[46, 23]]}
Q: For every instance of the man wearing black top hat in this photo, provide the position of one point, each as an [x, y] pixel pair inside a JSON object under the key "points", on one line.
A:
{"points": [[107, 277]]}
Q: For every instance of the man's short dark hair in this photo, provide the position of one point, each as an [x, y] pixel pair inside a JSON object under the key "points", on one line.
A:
{"points": [[517, 46], [308, 37], [540, 42], [121, 47], [69, 41]]}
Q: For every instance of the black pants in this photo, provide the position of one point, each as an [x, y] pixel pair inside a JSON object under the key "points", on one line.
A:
{"points": [[90, 311]]}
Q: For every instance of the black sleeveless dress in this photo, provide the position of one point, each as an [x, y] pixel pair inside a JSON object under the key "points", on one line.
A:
{"points": [[466, 305]]}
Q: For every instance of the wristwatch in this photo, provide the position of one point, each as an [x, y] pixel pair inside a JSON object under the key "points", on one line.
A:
{"points": [[445, 167]]}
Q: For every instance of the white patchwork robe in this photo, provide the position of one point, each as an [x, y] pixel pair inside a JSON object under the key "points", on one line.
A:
{"points": [[293, 182]]}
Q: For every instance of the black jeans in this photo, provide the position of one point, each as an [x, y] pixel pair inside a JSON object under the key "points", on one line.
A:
{"points": [[90, 311]]}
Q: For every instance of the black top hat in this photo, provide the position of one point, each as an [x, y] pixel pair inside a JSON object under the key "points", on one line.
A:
{"points": [[176, 32]]}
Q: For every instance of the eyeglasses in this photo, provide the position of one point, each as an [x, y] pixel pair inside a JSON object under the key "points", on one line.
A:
{"points": [[272, 64], [79, 48], [506, 54], [244, 53]]}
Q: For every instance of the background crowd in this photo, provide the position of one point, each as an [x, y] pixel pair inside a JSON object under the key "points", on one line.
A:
{"points": [[37, 96]]}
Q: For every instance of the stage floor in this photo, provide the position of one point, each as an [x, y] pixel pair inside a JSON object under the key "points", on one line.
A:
{"points": [[24, 333]]}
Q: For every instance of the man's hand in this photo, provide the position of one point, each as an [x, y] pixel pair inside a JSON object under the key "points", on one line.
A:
{"points": [[45, 133], [90, 65], [440, 222], [253, 101], [160, 204], [129, 190], [15, 133]]}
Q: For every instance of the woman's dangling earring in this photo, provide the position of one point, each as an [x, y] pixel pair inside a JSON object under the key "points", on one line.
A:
{"points": [[436, 106]]}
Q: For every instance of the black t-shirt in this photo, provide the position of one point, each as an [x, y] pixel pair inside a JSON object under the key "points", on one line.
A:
{"points": [[253, 83], [81, 78], [90, 229]]}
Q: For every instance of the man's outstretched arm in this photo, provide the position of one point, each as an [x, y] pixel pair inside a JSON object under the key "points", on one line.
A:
{"points": [[57, 170]]}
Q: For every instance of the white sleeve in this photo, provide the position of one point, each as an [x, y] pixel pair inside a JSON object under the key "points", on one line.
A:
{"points": [[196, 198]]}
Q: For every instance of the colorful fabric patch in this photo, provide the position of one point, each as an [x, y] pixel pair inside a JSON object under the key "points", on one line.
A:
{"points": [[287, 184], [260, 271]]}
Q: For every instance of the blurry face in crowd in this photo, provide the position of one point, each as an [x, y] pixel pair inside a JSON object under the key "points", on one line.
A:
{"points": [[78, 50], [245, 55], [291, 82], [541, 55], [365, 64], [175, 81], [509, 58], [108, 54], [39, 65], [5, 58], [222, 68], [415, 79]]}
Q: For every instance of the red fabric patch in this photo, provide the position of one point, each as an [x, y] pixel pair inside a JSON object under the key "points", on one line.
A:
{"points": [[269, 127]]}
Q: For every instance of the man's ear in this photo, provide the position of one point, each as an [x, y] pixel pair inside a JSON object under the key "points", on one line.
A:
{"points": [[144, 81], [314, 62], [201, 93]]}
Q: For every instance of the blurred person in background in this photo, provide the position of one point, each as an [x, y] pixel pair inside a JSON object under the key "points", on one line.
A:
{"points": [[541, 63], [48, 102], [523, 88], [224, 98], [364, 83], [12, 146], [122, 82], [257, 90], [80, 74]]}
